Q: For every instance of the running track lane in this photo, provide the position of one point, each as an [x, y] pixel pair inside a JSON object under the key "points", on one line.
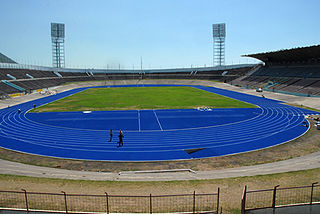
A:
{"points": [[157, 139]]}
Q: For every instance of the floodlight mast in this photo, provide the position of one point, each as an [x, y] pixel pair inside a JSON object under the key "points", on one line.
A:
{"points": [[219, 35], [57, 38]]}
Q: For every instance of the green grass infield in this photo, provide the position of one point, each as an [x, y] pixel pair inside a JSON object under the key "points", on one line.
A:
{"points": [[131, 98]]}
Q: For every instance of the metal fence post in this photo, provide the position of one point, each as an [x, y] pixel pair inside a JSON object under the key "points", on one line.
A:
{"points": [[274, 196], [65, 200], [218, 200], [107, 199], [312, 186], [26, 198], [150, 203], [243, 200], [194, 202]]}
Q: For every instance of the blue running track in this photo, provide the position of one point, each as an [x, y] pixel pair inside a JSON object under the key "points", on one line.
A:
{"points": [[151, 135]]}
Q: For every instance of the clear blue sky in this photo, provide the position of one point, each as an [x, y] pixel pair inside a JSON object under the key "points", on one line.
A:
{"points": [[165, 33]]}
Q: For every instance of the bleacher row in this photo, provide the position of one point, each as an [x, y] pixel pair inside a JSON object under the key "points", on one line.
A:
{"points": [[294, 79], [30, 80]]}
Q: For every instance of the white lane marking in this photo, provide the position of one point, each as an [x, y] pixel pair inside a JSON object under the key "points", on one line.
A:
{"points": [[157, 120]]}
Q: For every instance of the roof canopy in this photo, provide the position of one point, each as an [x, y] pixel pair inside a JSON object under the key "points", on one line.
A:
{"points": [[5, 59], [295, 55]]}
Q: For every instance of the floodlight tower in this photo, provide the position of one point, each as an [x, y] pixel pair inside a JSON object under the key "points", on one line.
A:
{"points": [[57, 38], [219, 35]]}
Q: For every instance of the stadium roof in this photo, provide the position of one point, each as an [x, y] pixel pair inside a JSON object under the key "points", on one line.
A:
{"points": [[5, 59], [295, 55]]}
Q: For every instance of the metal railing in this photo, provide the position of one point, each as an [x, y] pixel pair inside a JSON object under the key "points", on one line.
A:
{"points": [[278, 197], [73, 203]]}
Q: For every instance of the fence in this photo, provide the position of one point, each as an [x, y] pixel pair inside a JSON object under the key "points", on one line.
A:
{"points": [[73, 203], [277, 197]]}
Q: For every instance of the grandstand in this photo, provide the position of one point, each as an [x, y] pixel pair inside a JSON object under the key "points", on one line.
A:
{"points": [[295, 71], [26, 79]]}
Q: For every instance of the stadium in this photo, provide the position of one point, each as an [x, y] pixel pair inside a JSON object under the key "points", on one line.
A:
{"points": [[217, 139]]}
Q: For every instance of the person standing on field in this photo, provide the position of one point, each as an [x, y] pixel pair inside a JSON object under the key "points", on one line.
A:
{"points": [[120, 138], [110, 135]]}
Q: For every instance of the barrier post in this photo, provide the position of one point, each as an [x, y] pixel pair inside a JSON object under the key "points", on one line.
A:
{"points": [[243, 200], [194, 202], [274, 196], [218, 200], [65, 200], [150, 203], [107, 200], [26, 199], [312, 186]]}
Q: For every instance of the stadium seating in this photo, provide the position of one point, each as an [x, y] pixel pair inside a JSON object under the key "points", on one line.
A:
{"points": [[294, 70], [30, 79], [300, 79], [297, 79], [4, 88]]}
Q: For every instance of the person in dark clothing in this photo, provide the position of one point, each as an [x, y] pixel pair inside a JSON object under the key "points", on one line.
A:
{"points": [[19, 111], [34, 105], [111, 134], [305, 123], [120, 138]]}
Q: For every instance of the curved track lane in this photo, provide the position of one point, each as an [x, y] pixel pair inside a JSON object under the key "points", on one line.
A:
{"points": [[272, 124]]}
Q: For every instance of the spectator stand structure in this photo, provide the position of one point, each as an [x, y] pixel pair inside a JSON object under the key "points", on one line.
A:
{"points": [[19, 79], [294, 71]]}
